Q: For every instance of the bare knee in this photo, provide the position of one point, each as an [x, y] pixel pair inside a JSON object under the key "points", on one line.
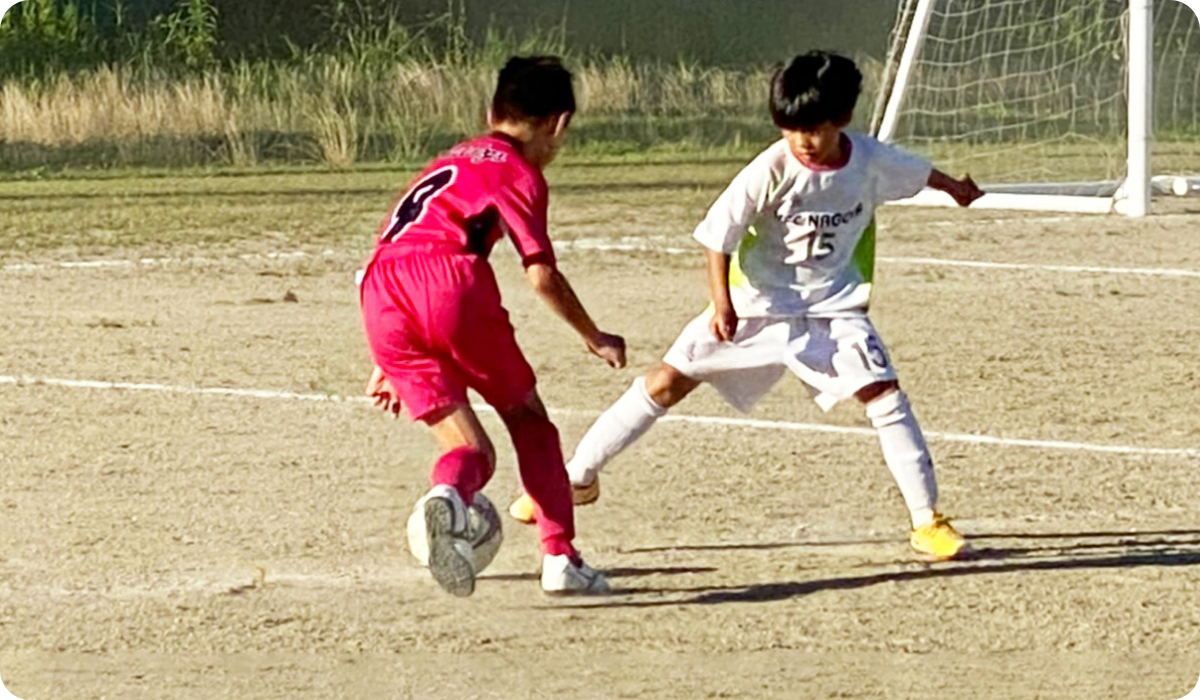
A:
{"points": [[459, 427], [668, 386], [870, 392]]}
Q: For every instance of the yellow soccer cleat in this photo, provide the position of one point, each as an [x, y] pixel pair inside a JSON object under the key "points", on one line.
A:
{"points": [[583, 495], [938, 541], [523, 509]]}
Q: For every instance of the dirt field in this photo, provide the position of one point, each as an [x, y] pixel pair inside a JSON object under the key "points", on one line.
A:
{"points": [[190, 538]]}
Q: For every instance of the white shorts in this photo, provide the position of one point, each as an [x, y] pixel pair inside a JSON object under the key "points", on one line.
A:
{"points": [[834, 357]]}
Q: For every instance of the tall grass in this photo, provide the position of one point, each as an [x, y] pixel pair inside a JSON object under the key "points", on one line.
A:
{"points": [[379, 91], [330, 110]]}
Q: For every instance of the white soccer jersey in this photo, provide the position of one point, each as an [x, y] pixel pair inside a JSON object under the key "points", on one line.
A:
{"points": [[803, 238]]}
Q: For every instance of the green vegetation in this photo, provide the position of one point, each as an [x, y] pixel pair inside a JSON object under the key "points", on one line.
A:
{"points": [[41, 39], [158, 94], [330, 110]]}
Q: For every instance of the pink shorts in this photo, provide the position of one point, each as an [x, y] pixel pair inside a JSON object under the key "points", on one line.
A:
{"points": [[436, 327]]}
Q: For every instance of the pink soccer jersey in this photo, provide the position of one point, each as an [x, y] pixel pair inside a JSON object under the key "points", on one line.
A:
{"points": [[429, 298], [471, 197]]}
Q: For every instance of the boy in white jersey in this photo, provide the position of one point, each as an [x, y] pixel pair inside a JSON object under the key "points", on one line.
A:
{"points": [[790, 246]]}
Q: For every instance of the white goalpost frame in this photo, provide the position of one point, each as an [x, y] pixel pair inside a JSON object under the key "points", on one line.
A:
{"points": [[1141, 82], [1132, 199], [912, 48]]}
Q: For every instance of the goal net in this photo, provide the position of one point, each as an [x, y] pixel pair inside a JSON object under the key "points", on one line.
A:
{"points": [[1036, 96]]}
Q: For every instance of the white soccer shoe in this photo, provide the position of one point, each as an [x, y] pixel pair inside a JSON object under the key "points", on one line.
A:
{"points": [[561, 576], [451, 558]]}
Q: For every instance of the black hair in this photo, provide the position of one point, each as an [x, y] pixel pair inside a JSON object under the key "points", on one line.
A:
{"points": [[531, 88], [814, 88]]}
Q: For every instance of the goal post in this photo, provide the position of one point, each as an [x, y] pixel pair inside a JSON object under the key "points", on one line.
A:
{"points": [[917, 29], [1141, 86], [1052, 104]]}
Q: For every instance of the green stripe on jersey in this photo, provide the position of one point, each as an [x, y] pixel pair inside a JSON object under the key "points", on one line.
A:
{"points": [[737, 278], [864, 254]]}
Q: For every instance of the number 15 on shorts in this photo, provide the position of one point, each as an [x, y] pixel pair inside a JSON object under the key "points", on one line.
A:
{"points": [[871, 352]]}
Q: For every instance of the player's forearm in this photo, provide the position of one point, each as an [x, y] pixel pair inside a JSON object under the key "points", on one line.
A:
{"points": [[718, 278], [939, 180], [963, 191], [556, 292]]}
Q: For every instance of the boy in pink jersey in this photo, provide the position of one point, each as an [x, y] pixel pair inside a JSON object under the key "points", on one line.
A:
{"points": [[436, 326]]}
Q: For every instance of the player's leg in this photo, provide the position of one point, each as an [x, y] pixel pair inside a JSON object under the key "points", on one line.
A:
{"points": [[903, 446], [623, 423], [543, 474], [908, 459], [480, 341], [468, 458], [434, 394], [617, 428], [465, 466], [431, 391], [741, 371], [544, 478], [844, 357]]}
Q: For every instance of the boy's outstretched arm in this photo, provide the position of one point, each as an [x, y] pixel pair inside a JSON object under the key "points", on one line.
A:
{"points": [[963, 191], [724, 321], [555, 290]]}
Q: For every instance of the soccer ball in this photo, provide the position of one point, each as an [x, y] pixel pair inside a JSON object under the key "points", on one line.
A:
{"points": [[483, 532]]}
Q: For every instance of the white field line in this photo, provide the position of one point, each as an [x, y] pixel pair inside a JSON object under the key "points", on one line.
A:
{"points": [[1145, 271], [639, 245], [148, 262], [1055, 219], [746, 423]]}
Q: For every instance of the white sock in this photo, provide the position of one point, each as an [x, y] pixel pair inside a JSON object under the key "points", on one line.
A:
{"points": [[906, 455], [625, 421]]}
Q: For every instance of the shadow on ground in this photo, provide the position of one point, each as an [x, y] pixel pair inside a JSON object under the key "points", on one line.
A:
{"points": [[617, 572], [1032, 552]]}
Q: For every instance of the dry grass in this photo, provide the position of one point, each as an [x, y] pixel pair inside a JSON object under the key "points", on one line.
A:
{"points": [[332, 110], [107, 104]]}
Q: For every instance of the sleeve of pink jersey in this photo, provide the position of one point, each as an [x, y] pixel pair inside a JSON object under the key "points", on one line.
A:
{"points": [[523, 205]]}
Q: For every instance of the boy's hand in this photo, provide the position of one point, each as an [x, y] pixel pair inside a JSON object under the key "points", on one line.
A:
{"points": [[553, 288], [608, 347], [723, 323], [965, 191], [382, 393]]}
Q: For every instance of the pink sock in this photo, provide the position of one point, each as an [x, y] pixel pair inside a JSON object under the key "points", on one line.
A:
{"points": [[544, 476], [465, 468]]}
